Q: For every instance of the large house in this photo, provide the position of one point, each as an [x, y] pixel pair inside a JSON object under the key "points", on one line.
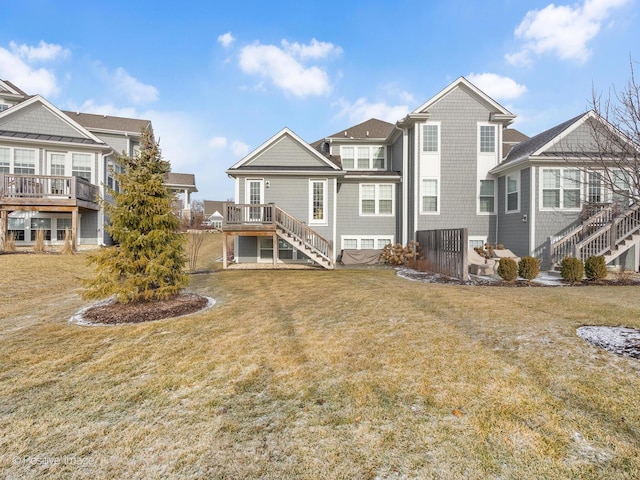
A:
{"points": [[451, 163], [55, 164]]}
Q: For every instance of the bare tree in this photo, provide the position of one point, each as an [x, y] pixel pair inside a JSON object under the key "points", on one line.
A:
{"points": [[614, 156]]}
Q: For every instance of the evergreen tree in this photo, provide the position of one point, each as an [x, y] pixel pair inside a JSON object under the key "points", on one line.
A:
{"points": [[147, 261]]}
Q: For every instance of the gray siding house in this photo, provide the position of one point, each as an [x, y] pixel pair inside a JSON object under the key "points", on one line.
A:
{"points": [[53, 166], [451, 163]]}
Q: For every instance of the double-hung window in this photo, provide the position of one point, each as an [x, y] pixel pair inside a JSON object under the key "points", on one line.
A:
{"points": [[62, 226], [560, 188], [429, 195], [363, 158], [620, 187], [513, 193], [5, 160], [487, 196], [24, 161], [81, 165], [376, 199]]}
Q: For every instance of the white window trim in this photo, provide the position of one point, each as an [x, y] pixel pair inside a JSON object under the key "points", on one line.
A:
{"points": [[495, 139], [542, 208], [476, 238], [359, 238], [12, 158], [438, 202], [324, 220], [506, 193], [377, 200], [478, 211], [247, 191], [371, 149], [421, 143]]}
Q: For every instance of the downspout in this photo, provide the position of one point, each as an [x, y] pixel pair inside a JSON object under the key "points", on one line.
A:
{"points": [[532, 210], [405, 187], [101, 219]]}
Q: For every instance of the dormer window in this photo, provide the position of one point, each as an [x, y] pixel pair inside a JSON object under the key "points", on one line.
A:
{"points": [[363, 157]]}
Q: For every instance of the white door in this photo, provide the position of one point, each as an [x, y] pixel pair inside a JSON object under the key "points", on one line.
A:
{"points": [[255, 196]]}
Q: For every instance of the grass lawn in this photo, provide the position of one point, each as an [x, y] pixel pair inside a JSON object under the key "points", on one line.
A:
{"points": [[315, 374]]}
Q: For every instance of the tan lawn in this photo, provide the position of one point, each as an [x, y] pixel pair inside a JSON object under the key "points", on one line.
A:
{"points": [[315, 374]]}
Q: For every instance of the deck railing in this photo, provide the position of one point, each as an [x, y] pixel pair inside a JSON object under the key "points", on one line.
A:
{"points": [[46, 186], [565, 245], [272, 215]]}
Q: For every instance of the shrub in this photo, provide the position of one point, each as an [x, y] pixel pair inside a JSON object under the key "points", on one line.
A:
{"points": [[508, 269], [571, 269], [595, 268], [528, 268]]}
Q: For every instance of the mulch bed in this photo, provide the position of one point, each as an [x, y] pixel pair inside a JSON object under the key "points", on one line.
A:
{"points": [[138, 312]]}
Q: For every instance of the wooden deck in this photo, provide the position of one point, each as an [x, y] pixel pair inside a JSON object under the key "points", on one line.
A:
{"points": [[45, 193]]}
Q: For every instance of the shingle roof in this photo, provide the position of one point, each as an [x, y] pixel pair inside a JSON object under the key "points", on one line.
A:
{"points": [[213, 206], [106, 122], [528, 147], [510, 138], [372, 128], [181, 179]]}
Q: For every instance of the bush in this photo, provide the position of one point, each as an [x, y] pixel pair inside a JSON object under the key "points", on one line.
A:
{"points": [[572, 269], [528, 268], [508, 269], [595, 268]]}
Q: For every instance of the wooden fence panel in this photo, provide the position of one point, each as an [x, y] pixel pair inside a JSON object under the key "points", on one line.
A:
{"points": [[446, 251]]}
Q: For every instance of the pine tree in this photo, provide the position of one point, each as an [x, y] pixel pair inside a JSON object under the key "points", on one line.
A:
{"points": [[147, 261]]}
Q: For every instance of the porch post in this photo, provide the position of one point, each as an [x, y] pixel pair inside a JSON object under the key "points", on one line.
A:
{"points": [[3, 229], [74, 228], [224, 250], [275, 249]]}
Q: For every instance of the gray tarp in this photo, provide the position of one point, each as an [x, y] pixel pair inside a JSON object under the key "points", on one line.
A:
{"points": [[360, 257]]}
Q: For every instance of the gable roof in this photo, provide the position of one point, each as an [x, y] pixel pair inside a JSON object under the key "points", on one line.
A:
{"points": [[285, 132], [188, 180], [538, 142], [372, 128], [97, 122], [499, 113], [83, 133]]}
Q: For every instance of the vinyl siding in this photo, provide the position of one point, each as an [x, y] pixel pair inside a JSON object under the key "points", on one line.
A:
{"points": [[38, 119], [513, 232], [458, 114], [351, 223], [287, 153]]}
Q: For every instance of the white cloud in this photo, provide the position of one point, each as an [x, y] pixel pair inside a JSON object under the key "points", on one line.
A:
{"points": [[239, 149], [90, 106], [218, 142], [282, 66], [362, 110], [226, 39], [133, 88], [43, 52], [315, 49], [497, 86], [32, 80], [563, 30]]}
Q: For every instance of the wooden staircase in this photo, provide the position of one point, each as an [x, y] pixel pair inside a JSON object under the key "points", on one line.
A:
{"points": [[609, 232], [261, 219]]}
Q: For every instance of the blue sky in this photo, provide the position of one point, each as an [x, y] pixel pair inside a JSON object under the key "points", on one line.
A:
{"points": [[217, 79]]}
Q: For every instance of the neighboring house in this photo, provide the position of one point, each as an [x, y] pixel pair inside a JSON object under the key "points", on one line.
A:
{"points": [[182, 185], [53, 166], [213, 213], [451, 163]]}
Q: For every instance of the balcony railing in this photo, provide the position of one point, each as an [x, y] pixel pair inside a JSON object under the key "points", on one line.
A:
{"points": [[19, 186]]}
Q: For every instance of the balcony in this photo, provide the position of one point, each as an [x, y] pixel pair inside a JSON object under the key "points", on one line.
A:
{"points": [[30, 191]]}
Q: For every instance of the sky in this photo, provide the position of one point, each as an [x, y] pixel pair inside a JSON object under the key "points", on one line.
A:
{"points": [[218, 79]]}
